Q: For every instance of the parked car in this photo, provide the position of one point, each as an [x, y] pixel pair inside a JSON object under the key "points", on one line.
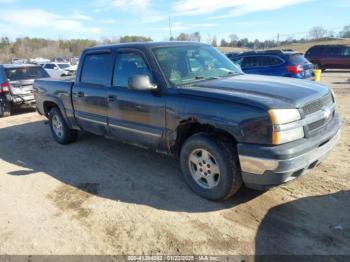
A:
{"points": [[39, 60], [58, 70], [329, 56], [190, 101], [72, 69], [274, 63], [19, 61], [16, 86], [60, 60]]}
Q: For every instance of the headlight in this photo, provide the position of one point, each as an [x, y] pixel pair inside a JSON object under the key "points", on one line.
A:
{"points": [[285, 125]]}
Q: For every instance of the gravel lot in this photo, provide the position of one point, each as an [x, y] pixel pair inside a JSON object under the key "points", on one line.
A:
{"points": [[101, 197]]}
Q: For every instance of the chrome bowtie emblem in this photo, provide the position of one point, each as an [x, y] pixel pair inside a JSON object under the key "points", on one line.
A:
{"points": [[326, 112]]}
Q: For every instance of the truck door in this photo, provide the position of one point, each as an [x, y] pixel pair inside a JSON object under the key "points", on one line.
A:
{"points": [[136, 116], [90, 91]]}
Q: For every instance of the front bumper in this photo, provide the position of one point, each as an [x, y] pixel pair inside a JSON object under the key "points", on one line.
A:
{"points": [[265, 167]]}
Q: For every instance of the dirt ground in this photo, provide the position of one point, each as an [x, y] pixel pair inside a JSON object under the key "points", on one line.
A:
{"points": [[98, 196]]}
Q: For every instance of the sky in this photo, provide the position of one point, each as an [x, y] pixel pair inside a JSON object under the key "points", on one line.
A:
{"points": [[98, 19]]}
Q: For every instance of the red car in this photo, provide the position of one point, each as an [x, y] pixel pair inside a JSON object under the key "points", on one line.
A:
{"points": [[329, 56]]}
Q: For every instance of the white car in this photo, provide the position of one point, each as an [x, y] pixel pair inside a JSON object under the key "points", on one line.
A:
{"points": [[58, 70]]}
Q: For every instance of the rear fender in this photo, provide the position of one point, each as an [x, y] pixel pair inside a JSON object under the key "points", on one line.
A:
{"points": [[60, 106]]}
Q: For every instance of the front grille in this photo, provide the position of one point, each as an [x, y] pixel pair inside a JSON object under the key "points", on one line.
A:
{"points": [[316, 124], [315, 127], [318, 104]]}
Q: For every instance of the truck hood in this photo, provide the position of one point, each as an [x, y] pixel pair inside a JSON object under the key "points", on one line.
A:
{"points": [[263, 91]]}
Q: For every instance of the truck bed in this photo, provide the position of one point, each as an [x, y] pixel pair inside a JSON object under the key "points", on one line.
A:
{"points": [[57, 91]]}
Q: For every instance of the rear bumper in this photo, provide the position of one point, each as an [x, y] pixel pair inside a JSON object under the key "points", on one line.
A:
{"points": [[27, 100], [265, 167], [311, 77]]}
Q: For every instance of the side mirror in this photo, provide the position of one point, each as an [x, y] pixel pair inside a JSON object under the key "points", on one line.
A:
{"points": [[140, 82], [56, 68]]}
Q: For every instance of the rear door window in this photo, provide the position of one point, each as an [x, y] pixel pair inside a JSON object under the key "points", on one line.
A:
{"points": [[96, 69], [333, 51], [250, 61], [25, 73], [265, 61]]}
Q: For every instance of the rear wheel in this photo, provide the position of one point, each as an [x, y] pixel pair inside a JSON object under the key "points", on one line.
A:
{"points": [[59, 128], [318, 66], [210, 166], [4, 110]]}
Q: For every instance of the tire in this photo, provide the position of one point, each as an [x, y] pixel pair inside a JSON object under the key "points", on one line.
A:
{"points": [[59, 128], [318, 66], [222, 157], [4, 110]]}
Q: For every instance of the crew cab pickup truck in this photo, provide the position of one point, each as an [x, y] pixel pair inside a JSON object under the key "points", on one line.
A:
{"points": [[226, 128]]}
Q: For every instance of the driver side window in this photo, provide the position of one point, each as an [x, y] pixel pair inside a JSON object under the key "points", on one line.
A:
{"points": [[129, 64]]}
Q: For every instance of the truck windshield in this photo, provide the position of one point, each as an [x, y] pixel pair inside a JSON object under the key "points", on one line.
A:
{"points": [[185, 65], [25, 73], [63, 66]]}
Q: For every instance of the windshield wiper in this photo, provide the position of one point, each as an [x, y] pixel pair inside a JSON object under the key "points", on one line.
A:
{"points": [[190, 82], [206, 78], [231, 73]]}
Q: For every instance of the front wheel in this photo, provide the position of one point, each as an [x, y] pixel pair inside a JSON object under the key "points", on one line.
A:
{"points": [[59, 128], [210, 166]]}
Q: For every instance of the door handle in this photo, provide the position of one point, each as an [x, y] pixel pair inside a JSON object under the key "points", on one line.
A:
{"points": [[112, 98], [80, 94]]}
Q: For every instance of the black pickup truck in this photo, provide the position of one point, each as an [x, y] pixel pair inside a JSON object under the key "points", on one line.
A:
{"points": [[188, 100]]}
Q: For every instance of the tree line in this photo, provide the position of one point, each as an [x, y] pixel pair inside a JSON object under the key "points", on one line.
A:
{"points": [[315, 33], [26, 47]]}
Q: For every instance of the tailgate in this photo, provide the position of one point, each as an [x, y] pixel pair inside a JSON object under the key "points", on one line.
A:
{"points": [[298, 59], [22, 90]]}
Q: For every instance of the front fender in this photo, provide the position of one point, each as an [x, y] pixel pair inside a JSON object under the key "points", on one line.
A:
{"points": [[246, 123]]}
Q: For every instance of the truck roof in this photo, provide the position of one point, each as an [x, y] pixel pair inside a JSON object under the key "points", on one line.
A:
{"points": [[331, 45], [18, 65], [147, 44]]}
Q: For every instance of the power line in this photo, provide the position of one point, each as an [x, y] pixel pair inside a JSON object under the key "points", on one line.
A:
{"points": [[170, 33]]}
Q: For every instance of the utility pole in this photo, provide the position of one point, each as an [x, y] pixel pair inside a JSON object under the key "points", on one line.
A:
{"points": [[278, 39], [170, 33]]}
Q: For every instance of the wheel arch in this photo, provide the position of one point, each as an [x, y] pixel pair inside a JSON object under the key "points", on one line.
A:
{"points": [[51, 103], [192, 126]]}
